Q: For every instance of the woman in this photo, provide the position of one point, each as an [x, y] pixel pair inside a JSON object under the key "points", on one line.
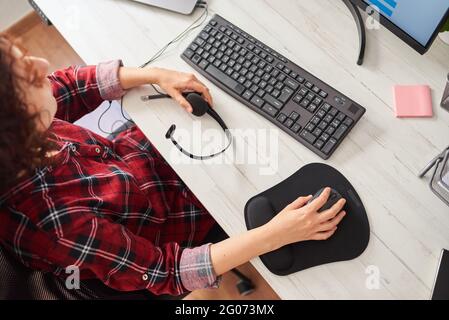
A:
{"points": [[115, 209]]}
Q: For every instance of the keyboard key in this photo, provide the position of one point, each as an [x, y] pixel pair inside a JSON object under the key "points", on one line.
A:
{"points": [[309, 85], [303, 92], [329, 146], [321, 114], [276, 93], [288, 123], [328, 118], [295, 128], [282, 117], [330, 130], [316, 89], [281, 77], [260, 93], [274, 102], [322, 125], [305, 103], [223, 78], [341, 116], [189, 53], [323, 94], [348, 122], [319, 144], [333, 112], [294, 116], [317, 132], [309, 137], [270, 110], [315, 120], [312, 108], [325, 137], [199, 41], [297, 98], [286, 93], [257, 101], [291, 83], [310, 127], [335, 123], [247, 95], [340, 132], [317, 101], [326, 107], [203, 64], [196, 59], [310, 96], [279, 86]]}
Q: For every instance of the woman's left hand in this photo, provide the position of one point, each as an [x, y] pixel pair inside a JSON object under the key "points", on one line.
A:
{"points": [[175, 83]]}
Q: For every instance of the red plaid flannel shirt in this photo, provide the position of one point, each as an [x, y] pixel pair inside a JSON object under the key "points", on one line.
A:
{"points": [[115, 209]]}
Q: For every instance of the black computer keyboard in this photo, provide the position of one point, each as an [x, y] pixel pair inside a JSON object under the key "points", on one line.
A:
{"points": [[302, 105]]}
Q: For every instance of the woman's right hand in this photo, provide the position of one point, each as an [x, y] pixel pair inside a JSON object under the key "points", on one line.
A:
{"points": [[300, 221]]}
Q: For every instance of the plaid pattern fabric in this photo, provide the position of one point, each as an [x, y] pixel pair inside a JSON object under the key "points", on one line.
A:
{"points": [[115, 209]]}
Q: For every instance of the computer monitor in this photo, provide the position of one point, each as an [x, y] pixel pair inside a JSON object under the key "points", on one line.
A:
{"points": [[417, 22]]}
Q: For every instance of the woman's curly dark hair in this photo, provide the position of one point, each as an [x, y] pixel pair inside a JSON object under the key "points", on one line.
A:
{"points": [[22, 147]]}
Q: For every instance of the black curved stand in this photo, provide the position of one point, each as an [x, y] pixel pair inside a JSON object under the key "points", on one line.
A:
{"points": [[360, 27]]}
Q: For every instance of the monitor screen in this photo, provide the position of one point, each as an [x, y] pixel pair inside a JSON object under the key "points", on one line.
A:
{"points": [[417, 18]]}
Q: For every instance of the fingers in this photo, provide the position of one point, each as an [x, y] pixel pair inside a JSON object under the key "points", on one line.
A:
{"points": [[179, 98], [316, 204], [298, 203], [201, 88], [324, 235], [333, 223], [193, 84], [333, 211]]}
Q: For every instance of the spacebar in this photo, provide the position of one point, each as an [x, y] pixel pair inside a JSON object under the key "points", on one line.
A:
{"points": [[228, 82]]}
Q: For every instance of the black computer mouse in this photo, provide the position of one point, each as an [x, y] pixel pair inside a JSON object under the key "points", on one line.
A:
{"points": [[333, 199], [198, 103]]}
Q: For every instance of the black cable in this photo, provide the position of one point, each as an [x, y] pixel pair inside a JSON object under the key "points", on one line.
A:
{"points": [[194, 25]]}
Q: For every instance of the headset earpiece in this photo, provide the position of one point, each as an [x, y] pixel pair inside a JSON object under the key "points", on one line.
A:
{"points": [[199, 105]]}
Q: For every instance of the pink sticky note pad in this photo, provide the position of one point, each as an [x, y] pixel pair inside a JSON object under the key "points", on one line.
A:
{"points": [[412, 101]]}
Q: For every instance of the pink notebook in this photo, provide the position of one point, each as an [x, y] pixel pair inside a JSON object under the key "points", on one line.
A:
{"points": [[412, 101]]}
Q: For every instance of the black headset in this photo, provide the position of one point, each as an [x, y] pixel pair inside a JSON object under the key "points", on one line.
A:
{"points": [[200, 108]]}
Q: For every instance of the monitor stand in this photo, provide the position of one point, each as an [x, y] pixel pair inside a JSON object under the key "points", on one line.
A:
{"points": [[360, 27]]}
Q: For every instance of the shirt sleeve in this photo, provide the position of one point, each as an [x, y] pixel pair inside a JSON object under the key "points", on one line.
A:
{"points": [[80, 90], [196, 268], [111, 253]]}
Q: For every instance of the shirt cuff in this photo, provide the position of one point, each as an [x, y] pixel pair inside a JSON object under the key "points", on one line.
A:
{"points": [[108, 80], [196, 269]]}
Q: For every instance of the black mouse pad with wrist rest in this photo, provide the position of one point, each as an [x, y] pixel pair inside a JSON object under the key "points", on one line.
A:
{"points": [[348, 242]]}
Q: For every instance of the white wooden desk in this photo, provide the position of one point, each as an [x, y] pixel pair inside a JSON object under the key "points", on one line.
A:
{"points": [[381, 156]]}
